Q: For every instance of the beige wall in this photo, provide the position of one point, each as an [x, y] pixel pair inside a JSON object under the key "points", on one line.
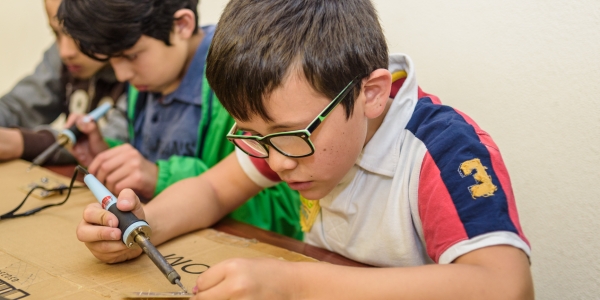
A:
{"points": [[527, 71], [24, 34]]}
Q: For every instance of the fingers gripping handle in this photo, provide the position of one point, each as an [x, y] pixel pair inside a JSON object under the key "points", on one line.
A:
{"points": [[73, 132], [136, 232], [129, 224]]}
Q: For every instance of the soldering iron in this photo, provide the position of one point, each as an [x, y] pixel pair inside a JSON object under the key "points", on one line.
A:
{"points": [[69, 136], [135, 231]]}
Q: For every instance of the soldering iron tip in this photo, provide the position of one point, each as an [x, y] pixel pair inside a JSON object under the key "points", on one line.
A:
{"points": [[30, 167], [181, 285]]}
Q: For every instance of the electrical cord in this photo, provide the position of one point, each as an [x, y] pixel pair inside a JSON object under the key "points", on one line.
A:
{"points": [[11, 214]]}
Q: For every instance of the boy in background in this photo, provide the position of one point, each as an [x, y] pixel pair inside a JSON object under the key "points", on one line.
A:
{"points": [[66, 81], [397, 180], [177, 125]]}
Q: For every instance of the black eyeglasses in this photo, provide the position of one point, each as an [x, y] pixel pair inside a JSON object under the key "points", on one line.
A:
{"points": [[294, 143], [12, 214]]}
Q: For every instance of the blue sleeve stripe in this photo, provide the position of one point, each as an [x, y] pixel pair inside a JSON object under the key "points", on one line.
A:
{"points": [[451, 140]]}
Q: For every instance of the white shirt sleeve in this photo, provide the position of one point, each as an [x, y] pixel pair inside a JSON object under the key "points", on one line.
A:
{"points": [[256, 173]]}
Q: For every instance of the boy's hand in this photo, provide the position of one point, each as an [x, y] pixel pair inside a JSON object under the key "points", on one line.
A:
{"points": [[125, 167], [241, 278], [100, 233], [91, 143]]}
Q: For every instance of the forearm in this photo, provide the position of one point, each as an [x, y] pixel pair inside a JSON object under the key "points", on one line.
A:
{"points": [[37, 141], [11, 143], [503, 280], [180, 209], [199, 202]]}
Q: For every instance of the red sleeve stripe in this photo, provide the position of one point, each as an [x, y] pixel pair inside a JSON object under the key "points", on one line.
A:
{"points": [[480, 207], [442, 226], [501, 172], [503, 177], [434, 99]]}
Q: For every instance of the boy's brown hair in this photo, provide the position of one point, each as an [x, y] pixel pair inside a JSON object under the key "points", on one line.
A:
{"points": [[257, 43], [106, 28]]}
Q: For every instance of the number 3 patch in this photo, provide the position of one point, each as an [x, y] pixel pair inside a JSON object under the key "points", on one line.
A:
{"points": [[484, 186]]}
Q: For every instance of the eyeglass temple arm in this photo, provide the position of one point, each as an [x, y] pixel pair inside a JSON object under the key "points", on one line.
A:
{"points": [[327, 110]]}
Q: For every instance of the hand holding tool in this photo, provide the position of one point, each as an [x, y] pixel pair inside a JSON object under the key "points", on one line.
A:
{"points": [[69, 136], [135, 231]]}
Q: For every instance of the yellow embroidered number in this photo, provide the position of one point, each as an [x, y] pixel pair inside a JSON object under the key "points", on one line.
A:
{"points": [[484, 186]]}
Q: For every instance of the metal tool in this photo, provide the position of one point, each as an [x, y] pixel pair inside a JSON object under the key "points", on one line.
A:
{"points": [[156, 295], [136, 232], [68, 136]]}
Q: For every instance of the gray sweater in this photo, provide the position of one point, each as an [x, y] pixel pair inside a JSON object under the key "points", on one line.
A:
{"points": [[38, 99]]}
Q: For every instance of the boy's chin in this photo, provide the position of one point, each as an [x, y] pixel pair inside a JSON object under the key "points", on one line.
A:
{"points": [[313, 194]]}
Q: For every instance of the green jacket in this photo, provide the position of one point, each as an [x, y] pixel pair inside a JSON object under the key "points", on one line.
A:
{"points": [[276, 208]]}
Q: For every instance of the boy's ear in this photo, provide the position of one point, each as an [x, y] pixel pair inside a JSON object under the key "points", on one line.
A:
{"points": [[376, 90], [185, 23]]}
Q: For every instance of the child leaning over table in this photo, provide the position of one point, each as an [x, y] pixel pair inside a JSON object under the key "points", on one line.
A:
{"points": [[176, 124], [65, 82], [402, 181]]}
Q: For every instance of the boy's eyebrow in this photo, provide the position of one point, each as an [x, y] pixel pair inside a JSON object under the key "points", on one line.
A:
{"points": [[284, 126]]}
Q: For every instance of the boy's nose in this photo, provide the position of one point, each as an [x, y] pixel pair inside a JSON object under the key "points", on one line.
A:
{"points": [[122, 69], [67, 47], [279, 162]]}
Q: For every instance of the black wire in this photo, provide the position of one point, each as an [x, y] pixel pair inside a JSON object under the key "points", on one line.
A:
{"points": [[11, 214]]}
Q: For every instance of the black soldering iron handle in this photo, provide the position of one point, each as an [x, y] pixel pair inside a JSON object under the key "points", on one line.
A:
{"points": [[76, 132], [126, 218]]}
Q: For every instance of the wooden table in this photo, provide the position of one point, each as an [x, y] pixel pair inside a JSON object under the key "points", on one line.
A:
{"points": [[240, 229]]}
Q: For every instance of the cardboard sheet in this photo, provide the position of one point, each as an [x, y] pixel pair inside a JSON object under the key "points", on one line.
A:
{"points": [[41, 258]]}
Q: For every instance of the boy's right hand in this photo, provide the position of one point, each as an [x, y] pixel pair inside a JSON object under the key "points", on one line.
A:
{"points": [[91, 143], [100, 233]]}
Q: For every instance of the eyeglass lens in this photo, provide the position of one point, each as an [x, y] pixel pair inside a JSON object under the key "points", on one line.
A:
{"points": [[252, 147], [289, 145]]}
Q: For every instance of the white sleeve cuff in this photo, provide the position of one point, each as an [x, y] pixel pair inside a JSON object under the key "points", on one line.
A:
{"points": [[485, 240], [252, 171]]}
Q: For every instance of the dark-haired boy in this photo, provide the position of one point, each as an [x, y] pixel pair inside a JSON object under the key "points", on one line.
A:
{"points": [[65, 82], [402, 182], [176, 123]]}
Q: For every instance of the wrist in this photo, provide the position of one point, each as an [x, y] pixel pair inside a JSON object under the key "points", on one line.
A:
{"points": [[152, 177], [296, 273], [153, 218], [11, 143]]}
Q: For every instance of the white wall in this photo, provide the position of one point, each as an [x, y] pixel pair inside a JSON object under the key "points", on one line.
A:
{"points": [[527, 71], [24, 34]]}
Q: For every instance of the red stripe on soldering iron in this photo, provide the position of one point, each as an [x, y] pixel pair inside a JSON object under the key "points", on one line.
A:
{"points": [[105, 201]]}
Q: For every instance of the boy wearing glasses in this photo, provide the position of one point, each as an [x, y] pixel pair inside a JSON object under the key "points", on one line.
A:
{"points": [[176, 124], [396, 179]]}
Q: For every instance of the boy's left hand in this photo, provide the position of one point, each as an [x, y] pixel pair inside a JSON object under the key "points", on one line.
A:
{"points": [[91, 143], [125, 167], [241, 278]]}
